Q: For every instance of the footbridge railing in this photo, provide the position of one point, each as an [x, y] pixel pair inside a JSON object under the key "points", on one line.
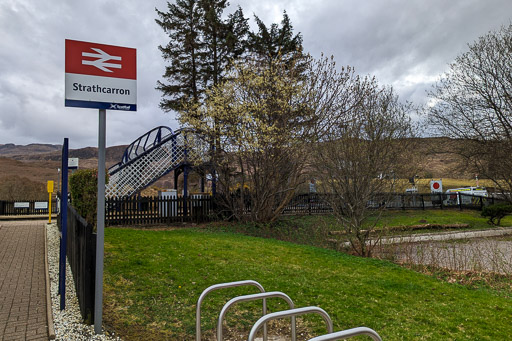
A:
{"points": [[153, 155]]}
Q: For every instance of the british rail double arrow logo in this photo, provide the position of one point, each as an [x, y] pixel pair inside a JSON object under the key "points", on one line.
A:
{"points": [[101, 62]]}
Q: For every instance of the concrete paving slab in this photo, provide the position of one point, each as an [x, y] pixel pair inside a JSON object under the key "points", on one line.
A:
{"points": [[22, 281]]}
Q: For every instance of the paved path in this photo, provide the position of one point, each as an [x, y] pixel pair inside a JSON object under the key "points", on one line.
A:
{"points": [[452, 235], [476, 254], [22, 281], [440, 236]]}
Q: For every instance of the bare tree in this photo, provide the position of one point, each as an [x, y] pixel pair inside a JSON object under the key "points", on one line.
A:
{"points": [[473, 102], [362, 156]]}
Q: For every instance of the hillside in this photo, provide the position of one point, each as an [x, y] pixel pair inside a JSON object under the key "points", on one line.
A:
{"points": [[30, 149], [35, 164], [434, 158], [32, 153]]}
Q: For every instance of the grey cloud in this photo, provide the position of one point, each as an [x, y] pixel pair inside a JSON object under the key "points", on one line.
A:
{"points": [[405, 43]]}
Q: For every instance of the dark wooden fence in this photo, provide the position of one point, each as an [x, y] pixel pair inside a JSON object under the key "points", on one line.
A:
{"points": [[155, 210], [309, 203], [431, 201], [81, 255], [318, 203], [315, 203], [28, 207]]}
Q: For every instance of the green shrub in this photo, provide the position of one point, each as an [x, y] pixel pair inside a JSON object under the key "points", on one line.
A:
{"points": [[496, 212], [83, 185]]}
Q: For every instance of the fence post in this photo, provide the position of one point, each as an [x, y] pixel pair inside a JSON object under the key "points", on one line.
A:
{"points": [[185, 191], [459, 198]]}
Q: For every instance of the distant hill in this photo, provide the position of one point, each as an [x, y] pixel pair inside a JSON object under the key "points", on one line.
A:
{"points": [[434, 158], [33, 148], [39, 162], [49, 152]]}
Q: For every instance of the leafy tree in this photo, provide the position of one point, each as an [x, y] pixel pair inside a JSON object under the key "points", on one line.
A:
{"points": [[473, 102], [224, 40], [274, 42], [185, 51], [201, 45]]}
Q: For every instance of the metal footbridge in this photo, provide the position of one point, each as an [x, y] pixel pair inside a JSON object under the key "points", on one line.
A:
{"points": [[153, 155]]}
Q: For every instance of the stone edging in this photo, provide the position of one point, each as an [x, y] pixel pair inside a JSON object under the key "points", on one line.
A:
{"points": [[49, 314]]}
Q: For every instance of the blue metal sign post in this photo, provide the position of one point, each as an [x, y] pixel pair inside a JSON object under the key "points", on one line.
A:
{"points": [[64, 225]]}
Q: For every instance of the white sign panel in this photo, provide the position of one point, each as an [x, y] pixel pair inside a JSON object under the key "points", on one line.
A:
{"points": [[21, 205], [100, 76], [41, 205], [73, 163]]}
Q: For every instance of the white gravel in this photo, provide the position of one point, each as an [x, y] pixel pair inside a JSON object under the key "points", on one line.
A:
{"points": [[68, 322]]}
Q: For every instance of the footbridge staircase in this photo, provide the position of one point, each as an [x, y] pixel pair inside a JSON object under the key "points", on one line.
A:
{"points": [[154, 154]]}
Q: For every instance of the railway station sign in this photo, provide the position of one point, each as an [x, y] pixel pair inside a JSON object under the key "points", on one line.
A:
{"points": [[41, 205], [100, 76]]}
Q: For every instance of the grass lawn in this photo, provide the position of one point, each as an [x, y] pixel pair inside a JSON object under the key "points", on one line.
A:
{"points": [[416, 217], [395, 218], [314, 230], [154, 278]]}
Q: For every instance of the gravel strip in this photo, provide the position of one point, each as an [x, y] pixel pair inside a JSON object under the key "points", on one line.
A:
{"points": [[68, 322]]}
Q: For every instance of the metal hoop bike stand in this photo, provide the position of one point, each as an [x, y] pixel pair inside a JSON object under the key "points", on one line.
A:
{"points": [[252, 298], [345, 334], [223, 286], [292, 312]]}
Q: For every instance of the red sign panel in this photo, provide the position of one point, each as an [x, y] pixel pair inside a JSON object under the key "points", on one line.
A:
{"points": [[100, 60]]}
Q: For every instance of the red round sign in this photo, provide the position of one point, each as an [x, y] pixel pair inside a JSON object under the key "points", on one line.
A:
{"points": [[436, 185]]}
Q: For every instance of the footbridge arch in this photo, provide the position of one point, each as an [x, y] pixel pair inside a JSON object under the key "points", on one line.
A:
{"points": [[153, 155]]}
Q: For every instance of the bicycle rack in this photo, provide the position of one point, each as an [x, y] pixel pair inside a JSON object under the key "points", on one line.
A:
{"points": [[345, 334], [287, 313], [252, 298], [292, 312], [223, 286]]}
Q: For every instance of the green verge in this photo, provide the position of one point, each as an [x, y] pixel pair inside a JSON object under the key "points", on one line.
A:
{"points": [[410, 217], [315, 229], [154, 278], [404, 218]]}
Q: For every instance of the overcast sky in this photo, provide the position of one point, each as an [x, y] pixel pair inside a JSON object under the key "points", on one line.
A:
{"points": [[404, 43]]}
